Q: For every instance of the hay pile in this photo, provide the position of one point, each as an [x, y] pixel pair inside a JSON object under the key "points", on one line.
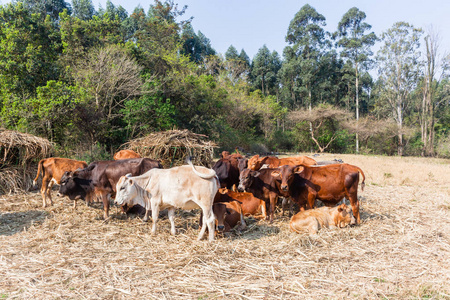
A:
{"points": [[173, 146], [18, 155]]}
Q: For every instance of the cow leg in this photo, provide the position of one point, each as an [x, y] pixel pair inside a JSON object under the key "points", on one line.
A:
{"points": [[273, 202], [44, 188], [105, 201], [155, 214], [49, 191], [172, 220], [263, 209], [147, 212], [75, 204], [208, 221], [311, 200], [355, 208]]}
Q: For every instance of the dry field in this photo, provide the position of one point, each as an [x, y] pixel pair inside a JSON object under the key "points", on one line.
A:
{"points": [[400, 251]]}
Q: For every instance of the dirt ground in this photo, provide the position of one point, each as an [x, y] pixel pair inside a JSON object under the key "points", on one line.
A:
{"points": [[400, 251]]}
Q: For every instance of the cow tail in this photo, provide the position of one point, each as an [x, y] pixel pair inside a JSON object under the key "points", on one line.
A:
{"points": [[364, 179], [204, 176], [40, 168]]}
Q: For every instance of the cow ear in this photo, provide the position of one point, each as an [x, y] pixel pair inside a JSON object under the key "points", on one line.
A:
{"points": [[131, 181], [341, 208], [276, 174], [298, 169], [228, 211]]}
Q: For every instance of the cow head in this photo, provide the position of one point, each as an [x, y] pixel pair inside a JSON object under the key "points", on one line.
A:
{"points": [[286, 174], [246, 179], [342, 216], [254, 163], [128, 192], [74, 187], [220, 213], [242, 164]]}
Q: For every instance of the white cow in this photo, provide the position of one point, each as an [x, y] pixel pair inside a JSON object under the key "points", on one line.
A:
{"points": [[185, 187]]}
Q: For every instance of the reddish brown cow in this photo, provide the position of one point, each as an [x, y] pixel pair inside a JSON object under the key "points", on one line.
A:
{"points": [[250, 205], [313, 219], [125, 154], [52, 170], [228, 169], [329, 184], [263, 185], [255, 163]]}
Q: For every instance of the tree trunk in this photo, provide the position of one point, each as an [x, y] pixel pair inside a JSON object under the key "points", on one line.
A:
{"points": [[357, 108], [400, 129]]}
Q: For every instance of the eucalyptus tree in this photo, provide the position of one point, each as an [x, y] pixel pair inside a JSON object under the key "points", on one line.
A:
{"points": [[308, 40], [356, 47], [399, 70], [265, 67], [196, 46], [83, 9], [48, 7]]}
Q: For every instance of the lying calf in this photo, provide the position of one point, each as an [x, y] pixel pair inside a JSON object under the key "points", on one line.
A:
{"points": [[250, 205], [313, 219], [227, 215]]}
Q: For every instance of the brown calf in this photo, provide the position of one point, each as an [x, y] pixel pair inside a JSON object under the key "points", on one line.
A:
{"points": [[52, 170], [313, 219], [255, 163], [250, 205], [124, 154]]}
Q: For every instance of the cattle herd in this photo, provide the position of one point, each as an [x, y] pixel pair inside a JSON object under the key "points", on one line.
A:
{"points": [[260, 181]]}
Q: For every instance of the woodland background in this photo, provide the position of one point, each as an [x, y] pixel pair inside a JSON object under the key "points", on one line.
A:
{"points": [[90, 81]]}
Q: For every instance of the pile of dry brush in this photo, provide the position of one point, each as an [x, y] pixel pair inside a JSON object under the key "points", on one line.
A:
{"points": [[18, 155], [172, 147]]}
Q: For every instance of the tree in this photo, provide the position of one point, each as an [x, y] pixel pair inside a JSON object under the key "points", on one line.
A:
{"points": [[83, 9], [107, 77], [308, 40], [398, 61], [325, 123], [265, 67], [47, 7], [356, 47]]}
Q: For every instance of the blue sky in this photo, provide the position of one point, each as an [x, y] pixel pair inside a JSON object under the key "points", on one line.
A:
{"points": [[249, 24]]}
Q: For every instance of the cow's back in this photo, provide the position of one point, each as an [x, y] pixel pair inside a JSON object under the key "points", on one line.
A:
{"points": [[56, 167]]}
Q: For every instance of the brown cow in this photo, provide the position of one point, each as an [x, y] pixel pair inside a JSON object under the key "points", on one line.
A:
{"points": [[329, 184], [255, 163], [250, 205], [228, 169], [263, 185], [313, 219], [52, 170], [124, 154]]}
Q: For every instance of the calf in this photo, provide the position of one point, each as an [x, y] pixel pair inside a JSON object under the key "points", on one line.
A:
{"points": [[250, 205], [227, 215], [52, 170], [125, 154], [255, 163], [185, 187], [314, 219]]}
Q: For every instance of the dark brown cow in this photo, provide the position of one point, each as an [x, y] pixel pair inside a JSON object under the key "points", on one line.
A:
{"points": [[228, 169], [329, 184], [104, 176], [255, 162], [125, 154], [250, 205], [263, 185], [52, 170]]}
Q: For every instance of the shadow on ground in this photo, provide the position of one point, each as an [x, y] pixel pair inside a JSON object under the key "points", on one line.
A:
{"points": [[12, 223]]}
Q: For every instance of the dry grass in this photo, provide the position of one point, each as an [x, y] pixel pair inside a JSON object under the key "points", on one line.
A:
{"points": [[400, 251]]}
